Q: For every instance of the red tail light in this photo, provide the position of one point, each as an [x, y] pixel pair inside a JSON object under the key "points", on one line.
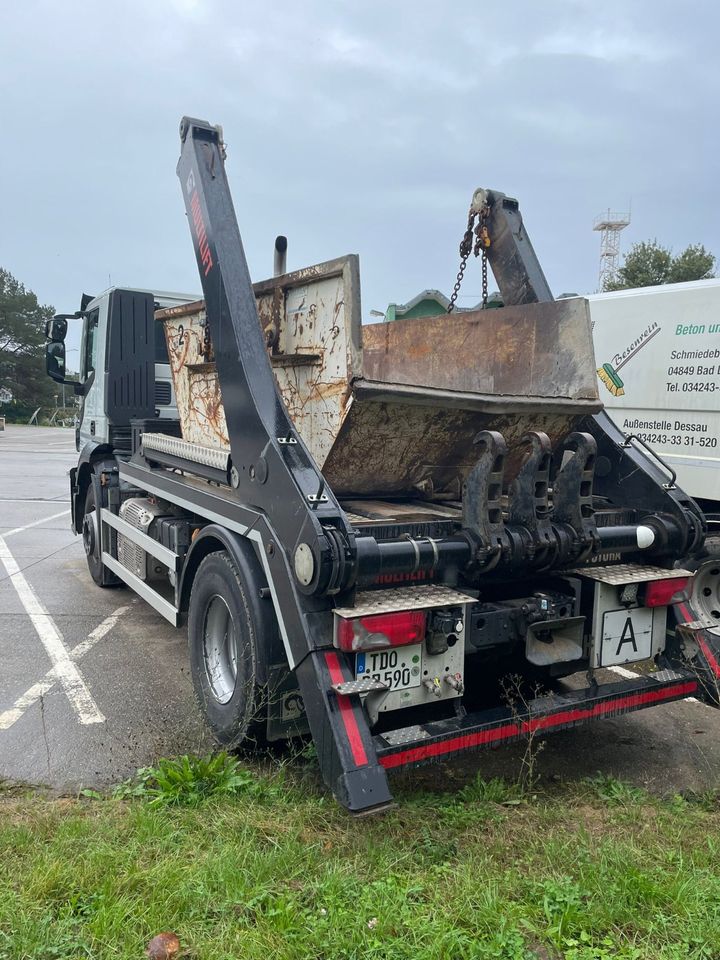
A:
{"points": [[659, 593], [380, 630]]}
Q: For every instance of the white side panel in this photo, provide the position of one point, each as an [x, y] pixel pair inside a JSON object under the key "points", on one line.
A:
{"points": [[658, 354]]}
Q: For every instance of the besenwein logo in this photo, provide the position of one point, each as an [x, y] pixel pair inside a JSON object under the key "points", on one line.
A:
{"points": [[608, 372]]}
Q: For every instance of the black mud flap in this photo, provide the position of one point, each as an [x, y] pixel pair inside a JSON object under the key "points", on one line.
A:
{"points": [[73, 499], [695, 646]]}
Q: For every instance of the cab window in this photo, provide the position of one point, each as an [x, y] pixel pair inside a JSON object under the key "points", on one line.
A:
{"points": [[161, 353], [90, 345]]}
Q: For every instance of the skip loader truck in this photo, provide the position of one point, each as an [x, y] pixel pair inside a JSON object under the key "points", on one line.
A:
{"points": [[366, 528]]}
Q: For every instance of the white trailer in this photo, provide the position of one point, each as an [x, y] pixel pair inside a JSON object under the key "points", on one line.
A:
{"points": [[658, 359]]}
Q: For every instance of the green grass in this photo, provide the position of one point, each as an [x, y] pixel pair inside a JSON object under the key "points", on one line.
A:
{"points": [[268, 867]]}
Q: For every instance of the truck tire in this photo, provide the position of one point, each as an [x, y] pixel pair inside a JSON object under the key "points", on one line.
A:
{"points": [[98, 571], [223, 640], [702, 656], [705, 598]]}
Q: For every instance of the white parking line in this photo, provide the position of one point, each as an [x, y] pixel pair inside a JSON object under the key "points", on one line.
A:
{"points": [[66, 671], [35, 523], [38, 690], [58, 499]]}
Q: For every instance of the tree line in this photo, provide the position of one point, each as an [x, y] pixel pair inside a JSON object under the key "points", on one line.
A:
{"points": [[24, 385], [649, 264]]}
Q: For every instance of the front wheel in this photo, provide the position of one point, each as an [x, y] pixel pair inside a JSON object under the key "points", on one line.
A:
{"points": [[223, 639], [91, 542]]}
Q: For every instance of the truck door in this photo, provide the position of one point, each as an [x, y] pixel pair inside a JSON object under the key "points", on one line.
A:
{"points": [[93, 422]]}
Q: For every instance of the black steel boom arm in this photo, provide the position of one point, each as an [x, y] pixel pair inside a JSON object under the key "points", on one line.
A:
{"points": [[272, 467], [306, 540], [513, 260]]}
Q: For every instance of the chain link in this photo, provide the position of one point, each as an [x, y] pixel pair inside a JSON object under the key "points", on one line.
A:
{"points": [[207, 344], [478, 248], [466, 245]]}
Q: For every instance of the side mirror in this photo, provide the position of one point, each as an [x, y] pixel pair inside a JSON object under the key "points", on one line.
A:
{"points": [[55, 360], [56, 329]]}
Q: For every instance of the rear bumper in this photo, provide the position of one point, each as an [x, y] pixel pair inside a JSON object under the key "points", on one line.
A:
{"points": [[418, 744]]}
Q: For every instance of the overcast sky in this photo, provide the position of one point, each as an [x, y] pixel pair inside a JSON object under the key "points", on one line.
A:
{"points": [[353, 128]]}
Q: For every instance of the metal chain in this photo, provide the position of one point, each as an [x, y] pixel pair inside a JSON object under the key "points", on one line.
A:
{"points": [[482, 243], [479, 249], [207, 344], [466, 245]]}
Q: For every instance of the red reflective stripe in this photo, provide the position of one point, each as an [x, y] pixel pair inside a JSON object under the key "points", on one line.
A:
{"points": [[709, 655], [684, 610], [357, 747], [702, 643], [415, 754]]}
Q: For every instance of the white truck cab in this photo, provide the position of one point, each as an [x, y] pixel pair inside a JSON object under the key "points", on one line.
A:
{"points": [[101, 392]]}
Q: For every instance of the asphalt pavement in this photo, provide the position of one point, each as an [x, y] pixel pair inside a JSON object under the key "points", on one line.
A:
{"points": [[94, 683]]}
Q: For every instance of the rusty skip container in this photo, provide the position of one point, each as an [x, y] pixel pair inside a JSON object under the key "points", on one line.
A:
{"points": [[391, 409]]}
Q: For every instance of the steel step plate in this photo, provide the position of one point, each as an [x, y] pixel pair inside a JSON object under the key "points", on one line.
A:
{"points": [[364, 685], [620, 573], [403, 598]]}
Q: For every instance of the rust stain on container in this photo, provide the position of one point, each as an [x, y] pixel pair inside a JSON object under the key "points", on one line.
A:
{"points": [[308, 325], [199, 400], [543, 350]]}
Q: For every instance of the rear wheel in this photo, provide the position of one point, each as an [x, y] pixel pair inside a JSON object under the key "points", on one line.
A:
{"points": [[702, 654], [705, 598], [223, 638]]}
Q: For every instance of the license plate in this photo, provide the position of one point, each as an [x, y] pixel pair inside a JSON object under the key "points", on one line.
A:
{"points": [[626, 636], [400, 667]]}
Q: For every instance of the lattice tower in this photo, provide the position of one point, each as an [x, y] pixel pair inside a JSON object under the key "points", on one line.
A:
{"points": [[609, 226]]}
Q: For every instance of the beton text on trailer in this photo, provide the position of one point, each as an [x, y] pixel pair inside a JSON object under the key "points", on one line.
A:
{"points": [[366, 528]]}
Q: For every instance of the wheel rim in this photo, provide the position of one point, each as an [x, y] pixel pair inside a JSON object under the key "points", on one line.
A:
{"points": [[706, 589], [220, 649], [88, 534]]}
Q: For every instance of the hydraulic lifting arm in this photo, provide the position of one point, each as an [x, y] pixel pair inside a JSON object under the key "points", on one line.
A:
{"points": [[628, 474], [272, 468], [307, 544]]}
